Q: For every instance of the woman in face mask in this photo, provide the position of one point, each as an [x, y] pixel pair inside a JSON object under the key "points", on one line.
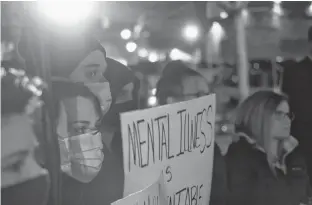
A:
{"points": [[23, 181], [108, 185], [78, 115]]}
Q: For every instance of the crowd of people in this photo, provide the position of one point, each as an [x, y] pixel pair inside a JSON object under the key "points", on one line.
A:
{"points": [[264, 165]]}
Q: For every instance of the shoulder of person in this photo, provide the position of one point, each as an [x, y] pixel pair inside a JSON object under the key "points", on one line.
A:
{"points": [[239, 147]]}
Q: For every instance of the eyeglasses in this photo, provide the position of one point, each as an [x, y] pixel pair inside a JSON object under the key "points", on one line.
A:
{"points": [[283, 115]]}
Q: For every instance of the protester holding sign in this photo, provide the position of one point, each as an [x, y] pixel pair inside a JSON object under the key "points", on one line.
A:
{"points": [[264, 165], [180, 83], [176, 140]]}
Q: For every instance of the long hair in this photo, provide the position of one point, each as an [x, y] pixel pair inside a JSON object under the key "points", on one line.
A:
{"points": [[254, 118]]}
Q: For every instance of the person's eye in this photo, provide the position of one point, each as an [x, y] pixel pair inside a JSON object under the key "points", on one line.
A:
{"points": [[79, 130], [15, 167], [91, 74]]}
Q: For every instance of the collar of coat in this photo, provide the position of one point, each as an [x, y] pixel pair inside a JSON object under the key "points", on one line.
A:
{"points": [[289, 145]]}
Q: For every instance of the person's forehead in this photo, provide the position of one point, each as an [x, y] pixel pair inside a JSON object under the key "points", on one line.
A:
{"points": [[79, 108], [16, 135], [95, 61]]}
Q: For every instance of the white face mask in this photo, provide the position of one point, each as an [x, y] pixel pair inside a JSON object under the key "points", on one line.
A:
{"points": [[82, 156], [102, 91]]}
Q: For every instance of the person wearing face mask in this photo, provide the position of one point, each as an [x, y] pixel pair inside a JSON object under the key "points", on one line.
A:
{"points": [[125, 96], [78, 115], [23, 181], [107, 186], [265, 166], [180, 83], [75, 57]]}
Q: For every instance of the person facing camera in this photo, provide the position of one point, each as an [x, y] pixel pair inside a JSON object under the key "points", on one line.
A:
{"points": [[78, 115], [180, 83], [264, 165]]}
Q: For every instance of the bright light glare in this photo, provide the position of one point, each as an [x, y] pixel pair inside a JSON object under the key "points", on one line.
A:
{"points": [[131, 47], [143, 53], [65, 12], [277, 9], [152, 101], [191, 32], [177, 54], [153, 57], [279, 59], [224, 15], [217, 30], [125, 34], [154, 90], [277, 2], [309, 10]]}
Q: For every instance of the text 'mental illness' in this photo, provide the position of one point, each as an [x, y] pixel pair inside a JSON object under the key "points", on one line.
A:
{"points": [[176, 140]]}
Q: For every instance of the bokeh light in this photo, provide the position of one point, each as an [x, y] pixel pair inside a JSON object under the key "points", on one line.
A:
{"points": [[125, 34], [131, 47], [191, 32]]}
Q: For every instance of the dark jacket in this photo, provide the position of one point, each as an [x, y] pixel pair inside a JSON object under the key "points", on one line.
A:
{"points": [[251, 181], [219, 180], [297, 84]]}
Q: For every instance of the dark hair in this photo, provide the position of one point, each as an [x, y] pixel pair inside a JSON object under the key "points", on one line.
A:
{"points": [[64, 89], [17, 88], [170, 83], [14, 98]]}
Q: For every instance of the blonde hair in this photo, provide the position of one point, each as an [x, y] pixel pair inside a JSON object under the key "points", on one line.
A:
{"points": [[254, 118]]}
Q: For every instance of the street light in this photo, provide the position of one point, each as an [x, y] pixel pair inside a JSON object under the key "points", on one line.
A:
{"points": [[191, 32], [153, 57], [224, 15], [277, 9], [125, 34], [131, 47], [65, 12]]}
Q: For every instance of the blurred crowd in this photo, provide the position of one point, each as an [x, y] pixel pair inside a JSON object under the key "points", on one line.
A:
{"points": [[61, 141]]}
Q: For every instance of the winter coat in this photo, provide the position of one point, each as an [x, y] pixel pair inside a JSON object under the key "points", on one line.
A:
{"points": [[252, 182], [219, 180]]}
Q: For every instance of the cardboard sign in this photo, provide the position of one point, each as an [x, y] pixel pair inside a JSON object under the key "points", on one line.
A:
{"points": [[176, 140], [152, 195]]}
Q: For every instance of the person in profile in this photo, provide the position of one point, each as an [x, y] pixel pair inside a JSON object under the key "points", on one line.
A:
{"points": [[264, 165], [180, 83], [23, 180], [297, 84]]}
